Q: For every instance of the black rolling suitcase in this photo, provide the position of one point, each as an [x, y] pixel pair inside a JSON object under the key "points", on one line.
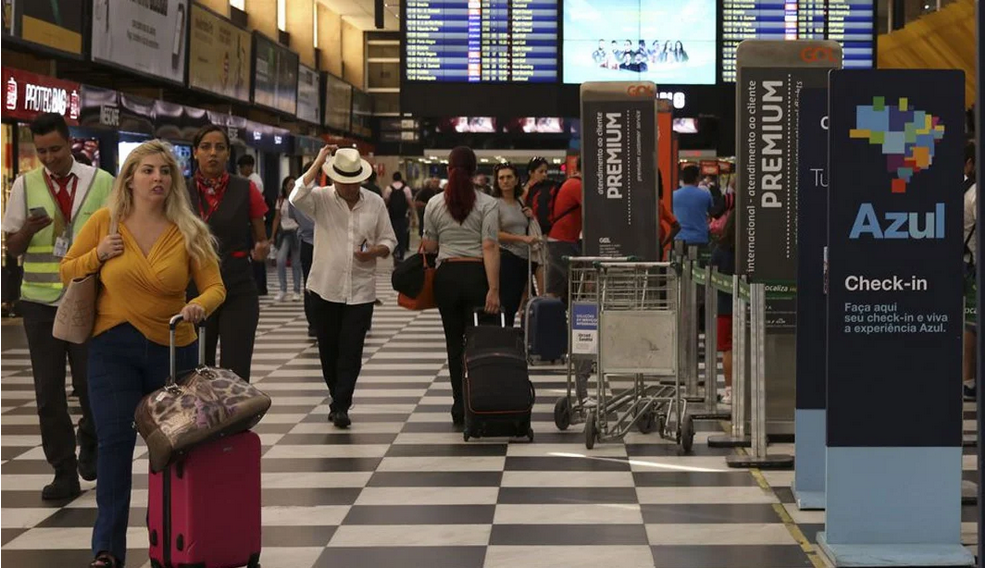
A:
{"points": [[499, 396]]}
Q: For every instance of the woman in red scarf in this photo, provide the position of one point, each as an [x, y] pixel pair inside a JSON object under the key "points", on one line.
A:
{"points": [[233, 208]]}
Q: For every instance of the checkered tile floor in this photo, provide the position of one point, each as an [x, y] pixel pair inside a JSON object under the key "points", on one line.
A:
{"points": [[401, 488]]}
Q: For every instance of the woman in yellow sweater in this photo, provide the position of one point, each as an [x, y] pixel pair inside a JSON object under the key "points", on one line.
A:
{"points": [[144, 271]]}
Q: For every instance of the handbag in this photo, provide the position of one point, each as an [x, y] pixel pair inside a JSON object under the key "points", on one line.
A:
{"points": [[413, 279], [76, 315], [201, 406]]}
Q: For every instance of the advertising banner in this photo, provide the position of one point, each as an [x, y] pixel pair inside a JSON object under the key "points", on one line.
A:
{"points": [[144, 36], [27, 95], [619, 169], [56, 23], [895, 244], [220, 55], [362, 113], [771, 76], [309, 95], [275, 75], [338, 103]]}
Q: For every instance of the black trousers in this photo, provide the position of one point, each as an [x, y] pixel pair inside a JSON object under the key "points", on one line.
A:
{"points": [[48, 363], [234, 325], [341, 332], [260, 276], [513, 271], [460, 288], [401, 226], [307, 255]]}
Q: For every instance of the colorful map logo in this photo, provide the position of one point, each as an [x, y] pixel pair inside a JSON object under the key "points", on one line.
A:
{"points": [[908, 137]]}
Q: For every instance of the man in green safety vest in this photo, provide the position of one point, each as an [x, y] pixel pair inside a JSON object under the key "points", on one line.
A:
{"points": [[46, 209]]}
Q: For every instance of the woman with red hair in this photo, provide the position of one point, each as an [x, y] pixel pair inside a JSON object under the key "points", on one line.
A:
{"points": [[462, 226]]}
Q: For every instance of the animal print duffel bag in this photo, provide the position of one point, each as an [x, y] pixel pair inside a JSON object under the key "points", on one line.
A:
{"points": [[203, 405]]}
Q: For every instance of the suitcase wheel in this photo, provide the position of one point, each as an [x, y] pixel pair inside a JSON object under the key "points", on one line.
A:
{"points": [[254, 561], [156, 564], [530, 434], [465, 435]]}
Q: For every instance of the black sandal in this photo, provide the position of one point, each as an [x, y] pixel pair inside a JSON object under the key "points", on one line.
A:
{"points": [[105, 560]]}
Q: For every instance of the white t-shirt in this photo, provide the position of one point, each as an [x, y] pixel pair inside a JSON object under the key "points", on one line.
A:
{"points": [[16, 214], [286, 223], [255, 178]]}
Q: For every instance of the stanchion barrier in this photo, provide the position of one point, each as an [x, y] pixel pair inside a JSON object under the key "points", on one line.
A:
{"points": [[739, 290], [758, 456], [706, 408]]}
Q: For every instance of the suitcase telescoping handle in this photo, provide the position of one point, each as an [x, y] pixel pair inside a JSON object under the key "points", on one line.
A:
{"points": [[172, 326], [477, 311]]}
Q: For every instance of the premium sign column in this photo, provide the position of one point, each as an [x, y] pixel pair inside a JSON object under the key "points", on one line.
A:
{"points": [[619, 168]]}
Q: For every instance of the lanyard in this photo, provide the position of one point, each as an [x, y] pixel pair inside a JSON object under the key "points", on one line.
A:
{"points": [[54, 194]]}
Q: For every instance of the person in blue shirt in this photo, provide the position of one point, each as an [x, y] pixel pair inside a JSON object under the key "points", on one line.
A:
{"points": [[694, 205]]}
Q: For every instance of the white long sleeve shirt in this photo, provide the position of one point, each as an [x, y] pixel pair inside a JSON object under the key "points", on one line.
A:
{"points": [[336, 276]]}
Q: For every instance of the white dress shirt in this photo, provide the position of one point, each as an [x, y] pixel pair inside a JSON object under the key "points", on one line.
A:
{"points": [[336, 276], [15, 214]]}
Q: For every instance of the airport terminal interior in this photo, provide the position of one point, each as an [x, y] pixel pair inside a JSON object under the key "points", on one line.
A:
{"points": [[491, 284]]}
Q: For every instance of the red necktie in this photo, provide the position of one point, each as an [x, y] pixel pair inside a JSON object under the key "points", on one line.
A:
{"points": [[64, 197]]}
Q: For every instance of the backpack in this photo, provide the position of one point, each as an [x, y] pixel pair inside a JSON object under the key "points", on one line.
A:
{"points": [[397, 205], [541, 201]]}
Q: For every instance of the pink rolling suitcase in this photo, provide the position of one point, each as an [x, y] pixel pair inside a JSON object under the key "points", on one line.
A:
{"points": [[203, 511]]}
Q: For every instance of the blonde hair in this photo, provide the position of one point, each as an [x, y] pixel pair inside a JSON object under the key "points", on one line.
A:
{"points": [[199, 242]]}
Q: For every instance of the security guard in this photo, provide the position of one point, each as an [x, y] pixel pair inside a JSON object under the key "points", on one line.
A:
{"points": [[46, 209]]}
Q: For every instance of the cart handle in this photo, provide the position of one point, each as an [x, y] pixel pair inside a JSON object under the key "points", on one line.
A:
{"points": [[599, 264], [613, 259], [172, 326]]}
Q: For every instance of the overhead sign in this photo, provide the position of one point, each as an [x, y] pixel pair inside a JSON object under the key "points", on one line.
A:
{"points": [[771, 74], [220, 55], [309, 95], [275, 76], [141, 35], [895, 244], [56, 24], [619, 159], [27, 95]]}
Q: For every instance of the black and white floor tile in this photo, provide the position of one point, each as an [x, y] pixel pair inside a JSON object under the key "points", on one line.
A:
{"points": [[402, 488]]}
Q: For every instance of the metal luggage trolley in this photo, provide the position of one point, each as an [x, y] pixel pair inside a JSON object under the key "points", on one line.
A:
{"points": [[582, 332], [637, 337]]}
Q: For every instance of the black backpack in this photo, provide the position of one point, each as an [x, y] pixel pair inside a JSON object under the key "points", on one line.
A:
{"points": [[541, 201], [397, 206]]}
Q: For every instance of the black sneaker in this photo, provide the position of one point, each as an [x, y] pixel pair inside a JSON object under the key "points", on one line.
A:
{"points": [[342, 420], [457, 416], [331, 416], [970, 392], [62, 488]]}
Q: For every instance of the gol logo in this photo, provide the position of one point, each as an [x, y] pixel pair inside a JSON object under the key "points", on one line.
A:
{"points": [[816, 54], [641, 91]]}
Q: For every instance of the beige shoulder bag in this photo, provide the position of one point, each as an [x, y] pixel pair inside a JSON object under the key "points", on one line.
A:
{"points": [[76, 314]]}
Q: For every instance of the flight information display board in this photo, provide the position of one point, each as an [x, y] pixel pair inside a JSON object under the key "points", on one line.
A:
{"points": [[849, 22], [481, 40]]}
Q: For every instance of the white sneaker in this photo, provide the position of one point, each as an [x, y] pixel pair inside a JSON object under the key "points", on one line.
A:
{"points": [[589, 402], [296, 297], [727, 397], [280, 297]]}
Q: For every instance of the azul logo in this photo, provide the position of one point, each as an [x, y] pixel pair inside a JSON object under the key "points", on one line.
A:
{"points": [[898, 224], [908, 137]]}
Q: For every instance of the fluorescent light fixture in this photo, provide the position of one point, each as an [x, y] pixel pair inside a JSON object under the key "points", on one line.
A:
{"points": [[314, 22], [282, 15], [238, 4]]}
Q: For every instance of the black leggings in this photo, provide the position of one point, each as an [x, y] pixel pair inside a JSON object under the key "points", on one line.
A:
{"points": [[460, 288], [512, 282]]}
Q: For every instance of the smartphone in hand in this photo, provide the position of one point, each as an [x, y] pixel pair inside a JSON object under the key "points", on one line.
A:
{"points": [[39, 213]]}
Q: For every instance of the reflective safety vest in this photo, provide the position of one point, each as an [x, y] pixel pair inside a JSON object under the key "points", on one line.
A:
{"points": [[42, 283]]}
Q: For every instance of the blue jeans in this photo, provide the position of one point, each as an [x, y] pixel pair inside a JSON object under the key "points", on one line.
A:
{"points": [[124, 366], [289, 246]]}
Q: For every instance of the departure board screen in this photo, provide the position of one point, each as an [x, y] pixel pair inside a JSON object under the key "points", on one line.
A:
{"points": [[849, 22], [472, 41]]}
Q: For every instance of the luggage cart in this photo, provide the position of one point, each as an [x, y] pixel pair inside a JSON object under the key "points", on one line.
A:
{"points": [[582, 332], [637, 338]]}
